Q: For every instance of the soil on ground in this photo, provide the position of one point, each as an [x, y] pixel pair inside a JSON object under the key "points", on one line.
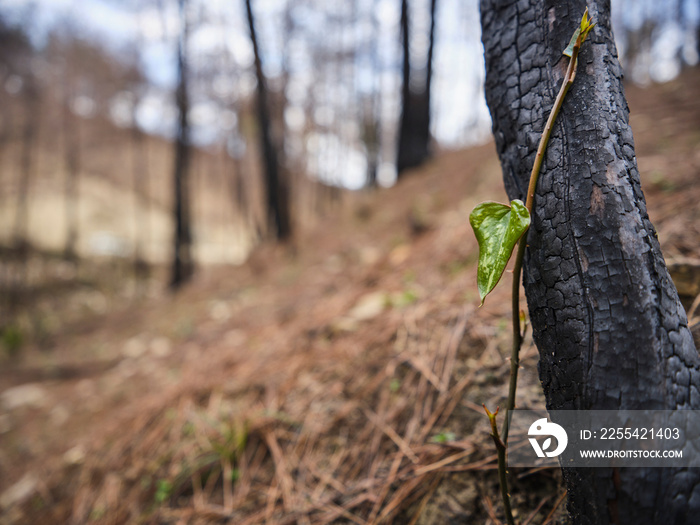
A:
{"points": [[338, 379]]}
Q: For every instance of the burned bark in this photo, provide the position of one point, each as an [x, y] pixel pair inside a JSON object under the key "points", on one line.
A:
{"points": [[277, 190], [414, 129], [606, 317], [182, 265]]}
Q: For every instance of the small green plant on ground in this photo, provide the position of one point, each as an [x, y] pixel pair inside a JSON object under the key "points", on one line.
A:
{"points": [[443, 437], [163, 490], [218, 442], [12, 339], [498, 228]]}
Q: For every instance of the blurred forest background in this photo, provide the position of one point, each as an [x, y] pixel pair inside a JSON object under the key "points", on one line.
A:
{"points": [[141, 139], [311, 164]]}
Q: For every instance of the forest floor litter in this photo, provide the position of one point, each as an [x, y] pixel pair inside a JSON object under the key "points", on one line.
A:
{"points": [[336, 380]]}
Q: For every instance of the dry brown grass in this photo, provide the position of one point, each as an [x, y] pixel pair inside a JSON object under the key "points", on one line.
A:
{"points": [[279, 402]]}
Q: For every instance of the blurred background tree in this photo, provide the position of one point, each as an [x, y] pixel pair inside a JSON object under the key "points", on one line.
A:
{"points": [[182, 250]]}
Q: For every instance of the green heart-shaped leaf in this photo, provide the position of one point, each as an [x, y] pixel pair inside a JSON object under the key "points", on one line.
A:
{"points": [[497, 227]]}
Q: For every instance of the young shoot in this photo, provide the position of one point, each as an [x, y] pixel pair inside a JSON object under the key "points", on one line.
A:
{"points": [[498, 228]]}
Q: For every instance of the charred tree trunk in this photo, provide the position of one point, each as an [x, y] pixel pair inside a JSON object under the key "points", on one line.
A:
{"points": [[277, 192], [414, 131], [425, 108], [407, 155], [606, 317], [182, 267]]}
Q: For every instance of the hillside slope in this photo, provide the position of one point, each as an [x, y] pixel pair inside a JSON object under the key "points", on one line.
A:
{"points": [[339, 380]]}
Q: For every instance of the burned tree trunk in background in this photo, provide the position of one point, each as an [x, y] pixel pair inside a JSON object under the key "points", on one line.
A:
{"points": [[425, 108], [407, 155], [182, 264], [414, 129], [277, 191], [606, 317]]}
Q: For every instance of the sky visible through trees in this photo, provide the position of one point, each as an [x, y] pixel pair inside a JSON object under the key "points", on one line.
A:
{"points": [[329, 58], [87, 96]]}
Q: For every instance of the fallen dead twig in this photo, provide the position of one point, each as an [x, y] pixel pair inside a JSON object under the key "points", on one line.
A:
{"points": [[443, 462], [285, 480], [391, 433]]}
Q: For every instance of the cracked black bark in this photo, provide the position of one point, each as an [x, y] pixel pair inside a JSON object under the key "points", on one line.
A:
{"points": [[606, 317]]}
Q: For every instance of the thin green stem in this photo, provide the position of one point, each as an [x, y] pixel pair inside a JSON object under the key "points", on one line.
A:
{"points": [[503, 481], [518, 266], [502, 442], [502, 472]]}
